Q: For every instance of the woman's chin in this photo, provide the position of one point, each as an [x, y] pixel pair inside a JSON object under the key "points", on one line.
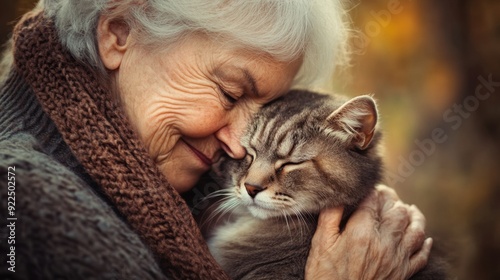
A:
{"points": [[182, 184]]}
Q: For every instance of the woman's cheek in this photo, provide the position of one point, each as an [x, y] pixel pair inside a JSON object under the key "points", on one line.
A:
{"points": [[203, 124]]}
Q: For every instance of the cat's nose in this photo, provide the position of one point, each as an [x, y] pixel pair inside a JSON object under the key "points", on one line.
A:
{"points": [[253, 190]]}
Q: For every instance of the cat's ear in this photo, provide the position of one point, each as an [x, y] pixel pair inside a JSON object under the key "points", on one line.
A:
{"points": [[355, 121]]}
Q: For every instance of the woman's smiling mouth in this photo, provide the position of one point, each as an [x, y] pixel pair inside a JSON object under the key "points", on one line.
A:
{"points": [[206, 160]]}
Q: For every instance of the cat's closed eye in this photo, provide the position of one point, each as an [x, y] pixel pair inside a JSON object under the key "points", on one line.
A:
{"points": [[288, 164]]}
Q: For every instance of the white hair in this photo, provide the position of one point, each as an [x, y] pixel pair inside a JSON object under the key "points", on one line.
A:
{"points": [[316, 30]]}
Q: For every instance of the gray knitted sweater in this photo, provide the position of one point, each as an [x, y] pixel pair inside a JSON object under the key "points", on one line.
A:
{"points": [[63, 228]]}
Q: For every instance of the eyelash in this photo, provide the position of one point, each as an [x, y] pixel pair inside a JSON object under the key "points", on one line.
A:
{"points": [[228, 96]]}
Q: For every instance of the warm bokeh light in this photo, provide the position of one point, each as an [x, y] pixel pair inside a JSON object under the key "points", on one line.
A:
{"points": [[425, 64]]}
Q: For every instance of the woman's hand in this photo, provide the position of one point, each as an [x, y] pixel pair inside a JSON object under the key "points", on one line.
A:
{"points": [[383, 239]]}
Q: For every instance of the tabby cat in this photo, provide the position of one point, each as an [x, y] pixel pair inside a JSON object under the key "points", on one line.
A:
{"points": [[306, 152]]}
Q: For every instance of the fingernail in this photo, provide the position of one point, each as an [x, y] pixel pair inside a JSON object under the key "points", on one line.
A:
{"points": [[428, 241]]}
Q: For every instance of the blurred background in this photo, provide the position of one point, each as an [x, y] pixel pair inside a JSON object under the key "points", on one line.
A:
{"points": [[434, 67]]}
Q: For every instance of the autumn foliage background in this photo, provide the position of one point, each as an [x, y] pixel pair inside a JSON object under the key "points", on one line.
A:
{"points": [[434, 67]]}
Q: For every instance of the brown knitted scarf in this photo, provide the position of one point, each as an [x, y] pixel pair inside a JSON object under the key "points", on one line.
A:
{"points": [[98, 133]]}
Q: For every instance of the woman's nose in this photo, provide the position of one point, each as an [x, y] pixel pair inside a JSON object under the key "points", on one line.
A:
{"points": [[230, 135], [230, 142]]}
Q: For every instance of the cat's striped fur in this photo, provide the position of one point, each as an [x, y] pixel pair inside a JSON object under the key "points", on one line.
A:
{"points": [[306, 152], [302, 157]]}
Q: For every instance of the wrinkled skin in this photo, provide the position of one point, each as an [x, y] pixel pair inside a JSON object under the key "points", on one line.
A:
{"points": [[383, 239], [162, 93]]}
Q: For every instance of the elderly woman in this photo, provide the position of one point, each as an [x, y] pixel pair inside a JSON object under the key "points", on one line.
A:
{"points": [[111, 109]]}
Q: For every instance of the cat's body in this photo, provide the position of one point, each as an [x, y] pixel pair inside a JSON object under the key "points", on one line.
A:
{"points": [[306, 152], [253, 248]]}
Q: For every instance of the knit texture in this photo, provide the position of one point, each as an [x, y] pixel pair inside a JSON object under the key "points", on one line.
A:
{"points": [[99, 135], [64, 228]]}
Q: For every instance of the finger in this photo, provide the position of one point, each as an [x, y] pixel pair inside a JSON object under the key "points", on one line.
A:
{"points": [[415, 232], [387, 197], [366, 216], [388, 193], [368, 212], [419, 260], [370, 203], [394, 222], [329, 219], [370, 209]]}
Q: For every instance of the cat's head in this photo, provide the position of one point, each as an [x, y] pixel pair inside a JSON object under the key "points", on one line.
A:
{"points": [[306, 151]]}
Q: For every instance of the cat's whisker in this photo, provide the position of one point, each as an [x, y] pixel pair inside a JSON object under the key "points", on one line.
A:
{"points": [[225, 205], [217, 193], [300, 159], [300, 218], [221, 212], [203, 209], [234, 205], [287, 224], [292, 219]]}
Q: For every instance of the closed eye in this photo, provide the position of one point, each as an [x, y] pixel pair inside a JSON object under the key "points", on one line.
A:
{"points": [[231, 98], [283, 165]]}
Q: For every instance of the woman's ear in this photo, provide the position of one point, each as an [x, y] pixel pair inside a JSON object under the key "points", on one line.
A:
{"points": [[113, 40]]}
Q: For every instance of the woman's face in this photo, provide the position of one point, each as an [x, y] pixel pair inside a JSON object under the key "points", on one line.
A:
{"points": [[192, 102]]}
